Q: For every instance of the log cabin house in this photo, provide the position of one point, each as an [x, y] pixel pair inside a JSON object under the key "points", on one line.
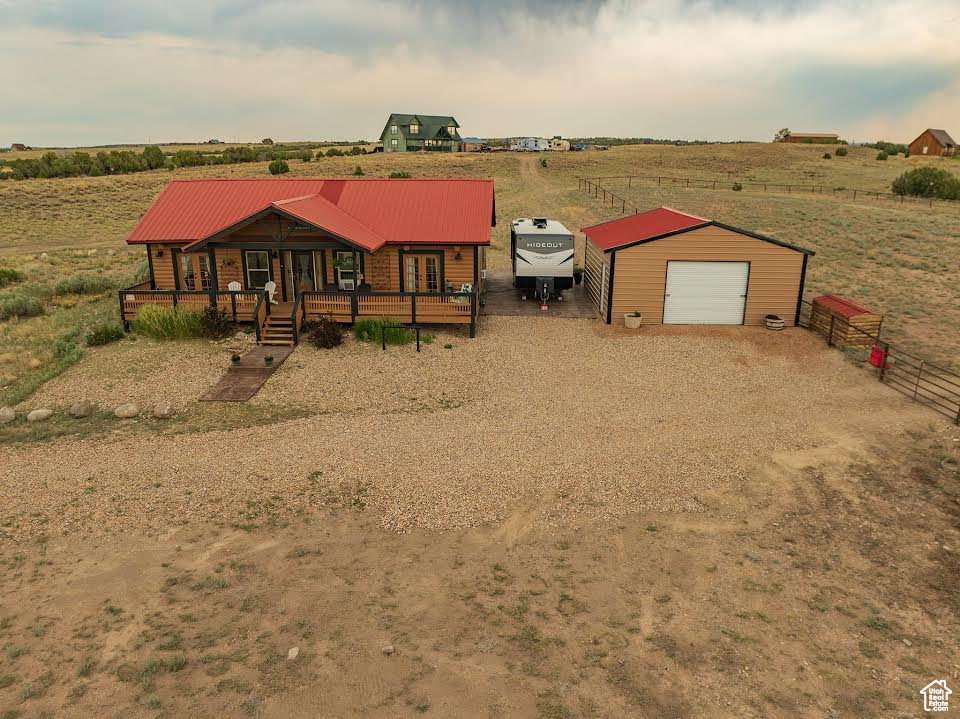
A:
{"points": [[410, 249]]}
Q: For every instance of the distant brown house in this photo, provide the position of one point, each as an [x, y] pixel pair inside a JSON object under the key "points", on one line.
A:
{"points": [[811, 137], [19, 146], [266, 141], [933, 142]]}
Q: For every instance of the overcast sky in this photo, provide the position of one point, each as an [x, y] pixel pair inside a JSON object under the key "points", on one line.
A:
{"points": [[76, 72]]}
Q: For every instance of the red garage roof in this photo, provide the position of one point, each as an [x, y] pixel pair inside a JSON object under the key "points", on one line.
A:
{"points": [[842, 306], [643, 226], [366, 212], [662, 222]]}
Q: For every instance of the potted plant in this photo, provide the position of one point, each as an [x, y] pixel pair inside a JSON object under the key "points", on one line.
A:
{"points": [[632, 319], [268, 360], [577, 274], [235, 359]]}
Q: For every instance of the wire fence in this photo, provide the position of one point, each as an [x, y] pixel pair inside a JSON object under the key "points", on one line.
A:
{"points": [[594, 186], [922, 381]]}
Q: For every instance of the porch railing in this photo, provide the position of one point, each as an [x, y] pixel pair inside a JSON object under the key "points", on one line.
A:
{"points": [[422, 307], [339, 306], [239, 306]]}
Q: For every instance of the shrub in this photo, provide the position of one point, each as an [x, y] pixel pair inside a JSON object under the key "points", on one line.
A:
{"points": [[279, 167], [188, 158], [357, 150], [840, 152], [334, 152], [881, 155], [66, 350], [104, 333], [372, 331], [325, 333], [154, 157], [400, 175], [8, 276], [215, 323], [20, 305], [543, 162], [83, 285], [928, 182], [827, 156], [305, 155], [163, 323], [737, 187], [358, 171]]}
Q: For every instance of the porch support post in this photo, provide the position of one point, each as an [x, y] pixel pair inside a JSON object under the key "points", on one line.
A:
{"points": [[214, 284], [473, 315], [153, 281], [413, 309]]}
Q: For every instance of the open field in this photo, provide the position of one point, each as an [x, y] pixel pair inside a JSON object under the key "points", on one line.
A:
{"points": [[690, 523], [557, 519]]}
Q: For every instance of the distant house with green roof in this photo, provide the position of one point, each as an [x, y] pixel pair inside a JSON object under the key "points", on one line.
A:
{"points": [[413, 133]]}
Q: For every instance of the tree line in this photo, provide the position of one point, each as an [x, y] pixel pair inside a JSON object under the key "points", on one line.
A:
{"points": [[122, 162]]}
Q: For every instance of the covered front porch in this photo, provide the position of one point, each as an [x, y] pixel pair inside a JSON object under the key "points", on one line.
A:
{"points": [[309, 281]]}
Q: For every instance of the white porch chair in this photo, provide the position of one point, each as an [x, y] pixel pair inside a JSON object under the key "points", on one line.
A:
{"points": [[234, 286], [271, 289]]}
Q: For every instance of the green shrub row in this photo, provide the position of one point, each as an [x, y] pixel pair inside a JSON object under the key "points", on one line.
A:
{"points": [[928, 182], [120, 162], [103, 333], [163, 323], [370, 330]]}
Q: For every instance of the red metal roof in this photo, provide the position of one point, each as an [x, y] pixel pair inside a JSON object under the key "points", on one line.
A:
{"points": [[842, 306], [639, 227], [367, 212]]}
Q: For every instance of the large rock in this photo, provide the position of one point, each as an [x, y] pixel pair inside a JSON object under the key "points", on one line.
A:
{"points": [[7, 414], [39, 415], [127, 410], [164, 410], [81, 409]]}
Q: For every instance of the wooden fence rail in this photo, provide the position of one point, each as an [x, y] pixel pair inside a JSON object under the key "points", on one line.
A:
{"points": [[922, 381], [594, 186]]}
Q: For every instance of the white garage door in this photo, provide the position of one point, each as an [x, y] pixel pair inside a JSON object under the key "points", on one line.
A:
{"points": [[705, 293]]}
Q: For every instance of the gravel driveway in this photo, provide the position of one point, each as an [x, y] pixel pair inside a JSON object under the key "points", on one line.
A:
{"points": [[562, 421]]}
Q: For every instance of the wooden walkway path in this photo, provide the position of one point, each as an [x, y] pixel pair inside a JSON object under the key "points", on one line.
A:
{"points": [[243, 381]]}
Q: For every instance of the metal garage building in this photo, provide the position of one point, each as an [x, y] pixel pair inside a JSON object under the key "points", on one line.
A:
{"points": [[676, 268]]}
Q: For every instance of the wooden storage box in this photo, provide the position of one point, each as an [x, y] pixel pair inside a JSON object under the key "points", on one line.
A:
{"points": [[844, 322]]}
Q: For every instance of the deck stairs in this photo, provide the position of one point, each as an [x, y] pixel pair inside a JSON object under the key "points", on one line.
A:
{"points": [[277, 331]]}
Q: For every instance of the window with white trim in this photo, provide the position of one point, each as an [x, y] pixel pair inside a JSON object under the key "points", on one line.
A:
{"points": [[414, 128], [343, 266], [393, 129], [452, 129], [393, 144], [188, 280], [258, 268]]}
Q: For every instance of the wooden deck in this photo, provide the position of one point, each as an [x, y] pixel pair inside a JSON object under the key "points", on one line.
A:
{"points": [[242, 382]]}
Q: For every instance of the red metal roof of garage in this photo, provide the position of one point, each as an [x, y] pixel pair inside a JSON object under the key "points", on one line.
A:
{"points": [[405, 211], [642, 226], [842, 306]]}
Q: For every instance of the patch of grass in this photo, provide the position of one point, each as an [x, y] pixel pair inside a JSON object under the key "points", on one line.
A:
{"points": [[6, 681], [13, 652], [86, 667]]}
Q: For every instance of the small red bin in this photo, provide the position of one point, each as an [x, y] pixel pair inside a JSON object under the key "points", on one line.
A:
{"points": [[878, 357]]}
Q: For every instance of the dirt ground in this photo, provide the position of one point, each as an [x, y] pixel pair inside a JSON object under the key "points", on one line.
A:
{"points": [[686, 523]]}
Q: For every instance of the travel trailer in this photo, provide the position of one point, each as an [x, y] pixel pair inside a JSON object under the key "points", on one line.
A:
{"points": [[541, 252]]}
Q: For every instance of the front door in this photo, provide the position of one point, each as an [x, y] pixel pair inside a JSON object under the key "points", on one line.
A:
{"points": [[422, 272], [302, 278]]}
